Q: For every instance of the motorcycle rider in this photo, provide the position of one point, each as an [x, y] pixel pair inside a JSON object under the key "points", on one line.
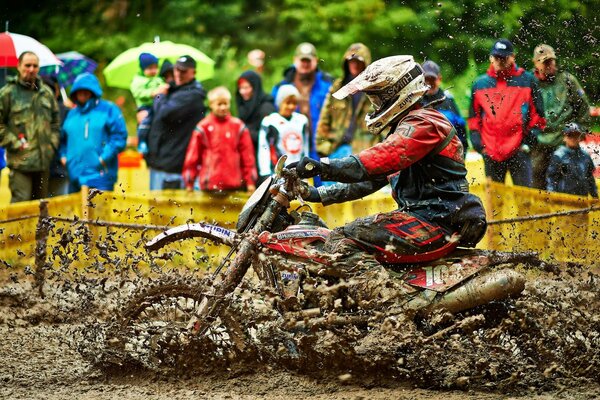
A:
{"points": [[421, 158]]}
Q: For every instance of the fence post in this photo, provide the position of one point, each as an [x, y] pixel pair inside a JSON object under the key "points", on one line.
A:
{"points": [[41, 238], [85, 207]]}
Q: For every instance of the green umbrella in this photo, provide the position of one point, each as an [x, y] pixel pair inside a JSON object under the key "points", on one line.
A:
{"points": [[122, 69]]}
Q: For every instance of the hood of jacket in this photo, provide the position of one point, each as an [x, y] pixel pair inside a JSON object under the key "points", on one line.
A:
{"points": [[247, 108], [356, 50], [86, 81]]}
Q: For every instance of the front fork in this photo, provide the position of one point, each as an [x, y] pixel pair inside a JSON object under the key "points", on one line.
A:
{"points": [[213, 303]]}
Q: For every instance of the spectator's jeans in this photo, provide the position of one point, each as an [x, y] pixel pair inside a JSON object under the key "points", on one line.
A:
{"points": [[540, 159], [160, 180], [519, 166]]}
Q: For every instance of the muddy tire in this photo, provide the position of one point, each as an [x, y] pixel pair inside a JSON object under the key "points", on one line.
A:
{"points": [[152, 329]]}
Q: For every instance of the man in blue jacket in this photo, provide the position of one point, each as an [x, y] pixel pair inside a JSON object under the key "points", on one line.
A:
{"points": [[313, 85], [93, 135], [175, 115]]}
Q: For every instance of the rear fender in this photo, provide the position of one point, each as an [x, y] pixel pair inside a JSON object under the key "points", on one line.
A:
{"points": [[217, 234]]}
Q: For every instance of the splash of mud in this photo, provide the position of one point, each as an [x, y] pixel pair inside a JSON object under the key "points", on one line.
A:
{"points": [[548, 339]]}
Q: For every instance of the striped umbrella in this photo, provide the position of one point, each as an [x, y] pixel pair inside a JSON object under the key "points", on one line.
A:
{"points": [[74, 63], [13, 44]]}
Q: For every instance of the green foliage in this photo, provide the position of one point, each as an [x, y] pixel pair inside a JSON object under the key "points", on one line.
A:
{"points": [[456, 34]]}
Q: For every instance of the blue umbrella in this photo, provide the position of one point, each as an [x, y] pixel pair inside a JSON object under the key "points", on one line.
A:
{"points": [[74, 63]]}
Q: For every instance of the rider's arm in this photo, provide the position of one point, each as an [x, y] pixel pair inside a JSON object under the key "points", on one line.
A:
{"points": [[342, 192], [411, 141]]}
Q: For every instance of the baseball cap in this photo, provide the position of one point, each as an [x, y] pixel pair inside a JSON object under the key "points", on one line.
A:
{"points": [[306, 50], [431, 69], [542, 53], [185, 62], [502, 48], [573, 129]]}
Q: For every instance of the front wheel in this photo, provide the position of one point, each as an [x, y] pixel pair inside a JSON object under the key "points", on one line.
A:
{"points": [[153, 328]]}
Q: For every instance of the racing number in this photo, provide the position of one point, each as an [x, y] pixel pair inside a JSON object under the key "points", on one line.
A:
{"points": [[433, 275]]}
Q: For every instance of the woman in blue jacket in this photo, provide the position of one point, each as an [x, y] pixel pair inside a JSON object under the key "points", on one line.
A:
{"points": [[94, 133]]}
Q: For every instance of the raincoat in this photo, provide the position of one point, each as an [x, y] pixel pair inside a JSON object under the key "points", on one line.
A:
{"points": [[343, 121], [571, 171], [220, 153], [94, 134], [506, 111], [564, 102], [30, 111]]}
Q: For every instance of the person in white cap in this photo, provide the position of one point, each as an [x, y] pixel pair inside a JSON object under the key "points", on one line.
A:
{"points": [[282, 133], [422, 159]]}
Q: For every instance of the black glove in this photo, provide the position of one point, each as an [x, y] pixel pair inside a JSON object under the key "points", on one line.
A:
{"points": [[312, 195], [476, 141], [307, 167]]}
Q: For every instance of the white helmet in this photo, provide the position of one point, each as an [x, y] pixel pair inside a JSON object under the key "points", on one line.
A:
{"points": [[392, 84]]}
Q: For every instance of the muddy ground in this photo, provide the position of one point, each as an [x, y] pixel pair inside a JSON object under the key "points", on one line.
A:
{"points": [[544, 345]]}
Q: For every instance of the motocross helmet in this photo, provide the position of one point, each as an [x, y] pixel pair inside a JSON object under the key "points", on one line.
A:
{"points": [[392, 84]]}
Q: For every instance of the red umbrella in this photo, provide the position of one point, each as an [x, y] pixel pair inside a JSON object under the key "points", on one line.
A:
{"points": [[13, 44]]}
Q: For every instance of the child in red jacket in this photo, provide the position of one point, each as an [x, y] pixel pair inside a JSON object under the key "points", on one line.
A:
{"points": [[220, 153]]}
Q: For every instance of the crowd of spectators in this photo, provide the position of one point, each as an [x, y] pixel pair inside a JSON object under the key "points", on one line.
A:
{"points": [[526, 123]]}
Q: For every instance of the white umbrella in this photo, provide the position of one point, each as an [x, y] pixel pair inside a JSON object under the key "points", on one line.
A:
{"points": [[12, 45]]}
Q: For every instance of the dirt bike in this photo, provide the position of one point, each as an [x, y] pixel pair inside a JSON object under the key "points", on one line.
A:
{"points": [[285, 251]]}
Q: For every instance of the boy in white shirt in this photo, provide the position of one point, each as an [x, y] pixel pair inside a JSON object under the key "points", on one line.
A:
{"points": [[283, 132]]}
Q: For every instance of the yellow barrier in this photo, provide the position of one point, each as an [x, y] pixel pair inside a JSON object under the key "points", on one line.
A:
{"points": [[564, 238]]}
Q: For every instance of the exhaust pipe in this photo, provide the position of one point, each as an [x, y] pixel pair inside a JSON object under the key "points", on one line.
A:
{"points": [[496, 285]]}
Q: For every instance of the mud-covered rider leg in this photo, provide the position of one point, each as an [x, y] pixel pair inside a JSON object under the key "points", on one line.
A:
{"points": [[356, 247]]}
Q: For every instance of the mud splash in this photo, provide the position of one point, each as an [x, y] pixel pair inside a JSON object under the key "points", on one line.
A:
{"points": [[546, 341]]}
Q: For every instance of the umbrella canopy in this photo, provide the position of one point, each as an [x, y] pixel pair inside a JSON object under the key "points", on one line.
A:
{"points": [[120, 72], [74, 63], [13, 44]]}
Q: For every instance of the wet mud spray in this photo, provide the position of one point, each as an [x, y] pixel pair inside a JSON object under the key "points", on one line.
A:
{"points": [[544, 344]]}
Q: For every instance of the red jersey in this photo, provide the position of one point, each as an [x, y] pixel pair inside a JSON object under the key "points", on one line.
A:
{"points": [[220, 154]]}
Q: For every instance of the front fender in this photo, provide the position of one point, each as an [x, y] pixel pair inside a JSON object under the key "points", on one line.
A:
{"points": [[215, 233]]}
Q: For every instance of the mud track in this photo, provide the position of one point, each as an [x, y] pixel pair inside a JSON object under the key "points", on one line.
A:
{"points": [[544, 345]]}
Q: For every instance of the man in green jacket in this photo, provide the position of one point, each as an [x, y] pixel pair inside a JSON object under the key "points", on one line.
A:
{"points": [[29, 130], [564, 102]]}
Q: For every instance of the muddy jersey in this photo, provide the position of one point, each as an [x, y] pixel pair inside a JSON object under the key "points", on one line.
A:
{"points": [[278, 136], [426, 182]]}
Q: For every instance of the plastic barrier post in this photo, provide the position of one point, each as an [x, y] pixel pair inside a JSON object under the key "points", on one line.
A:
{"points": [[41, 239]]}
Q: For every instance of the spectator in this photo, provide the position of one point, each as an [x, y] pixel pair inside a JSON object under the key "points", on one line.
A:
{"points": [[252, 103], [342, 129], [571, 168], [442, 100], [505, 116], [176, 113], [29, 130], [59, 181], [2, 160], [94, 134], [166, 72], [146, 84], [285, 132], [220, 152], [312, 84], [256, 60], [564, 102]]}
